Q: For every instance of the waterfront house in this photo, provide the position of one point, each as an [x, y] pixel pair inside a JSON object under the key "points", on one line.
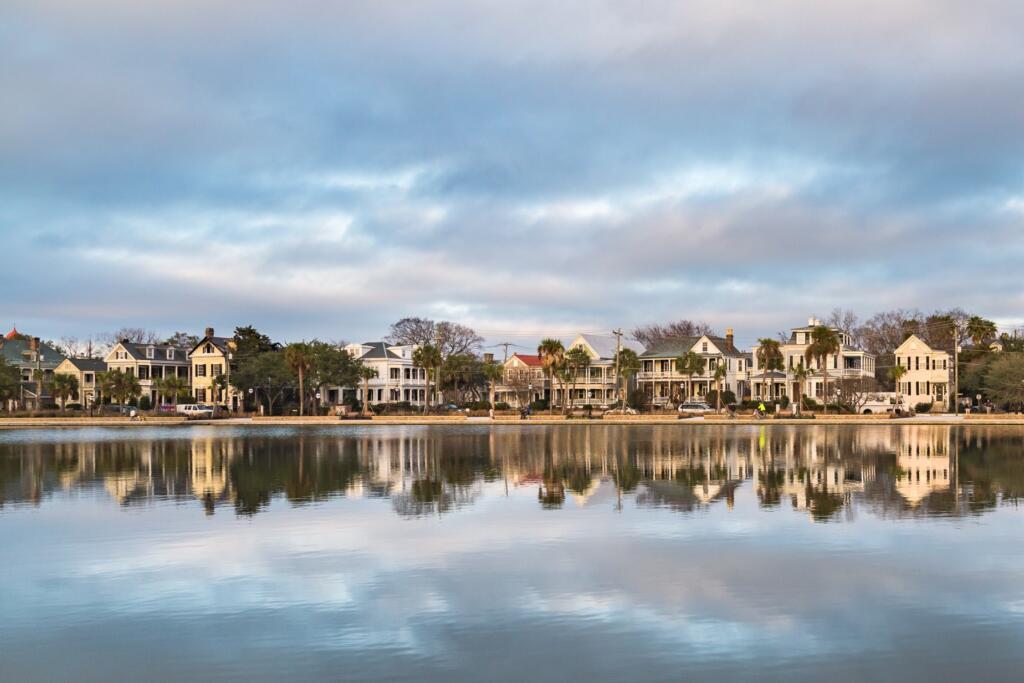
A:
{"points": [[149, 363], [662, 383], [928, 371], [851, 363], [524, 381], [85, 370], [210, 359], [597, 384], [34, 359], [398, 378]]}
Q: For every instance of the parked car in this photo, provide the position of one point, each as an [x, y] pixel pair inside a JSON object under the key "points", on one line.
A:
{"points": [[694, 408], [620, 411], [195, 410]]}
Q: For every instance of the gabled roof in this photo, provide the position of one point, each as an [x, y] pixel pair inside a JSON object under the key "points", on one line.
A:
{"points": [[921, 343], [88, 364], [532, 361], [604, 346], [220, 342], [670, 348]]}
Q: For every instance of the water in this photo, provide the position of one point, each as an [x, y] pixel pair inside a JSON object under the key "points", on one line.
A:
{"points": [[603, 553]]}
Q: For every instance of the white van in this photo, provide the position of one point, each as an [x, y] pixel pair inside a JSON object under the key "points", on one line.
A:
{"points": [[195, 410]]}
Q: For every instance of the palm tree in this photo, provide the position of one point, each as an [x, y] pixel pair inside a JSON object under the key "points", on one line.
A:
{"points": [[980, 330], [718, 376], [576, 360], [220, 383], [299, 358], [689, 364], [769, 357], [64, 386], [629, 365], [824, 343], [494, 373], [104, 385], [800, 374], [897, 372], [171, 387], [429, 358], [552, 355], [123, 386], [366, 373]]}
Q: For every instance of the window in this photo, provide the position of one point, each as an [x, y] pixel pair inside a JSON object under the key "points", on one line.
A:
{"points": [[200, 395], [216, 369], [704, 347], [87, 377], [143, 372], [408, 375], [396, 373], [170, 354], [183, 372], [150, 352], [200, 371], [917, 362], [208, 348]]}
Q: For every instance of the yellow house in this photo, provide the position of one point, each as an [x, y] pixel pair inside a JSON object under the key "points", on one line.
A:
{"points": [[85, 371], [211, 358], [927, 376]]}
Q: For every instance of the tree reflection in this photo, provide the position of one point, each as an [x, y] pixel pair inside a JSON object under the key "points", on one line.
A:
{"points": [[909, 471]]}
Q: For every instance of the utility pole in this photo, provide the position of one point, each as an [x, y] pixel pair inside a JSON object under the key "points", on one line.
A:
{"points": [[618, 374], [505, 345], [956, 368]]}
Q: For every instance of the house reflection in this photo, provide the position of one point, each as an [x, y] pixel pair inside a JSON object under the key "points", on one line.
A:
{"points": [[826, 472]]}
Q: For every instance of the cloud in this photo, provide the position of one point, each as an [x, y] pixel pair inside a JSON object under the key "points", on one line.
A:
{"points": [[324, 170]]}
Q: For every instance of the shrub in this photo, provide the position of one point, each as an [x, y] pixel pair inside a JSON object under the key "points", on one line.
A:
{"points": [[501, 405], [784, 401], [537, 406], [145, 403], [479, 405], [923, 407], [637, 399], [810, 404]]}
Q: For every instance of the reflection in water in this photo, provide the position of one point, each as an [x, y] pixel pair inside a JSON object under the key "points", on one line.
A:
{"points": [[829, 472], [598, 553]]}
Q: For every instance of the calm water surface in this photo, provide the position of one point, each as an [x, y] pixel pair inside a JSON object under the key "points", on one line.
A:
{"points": [[661, 553]]}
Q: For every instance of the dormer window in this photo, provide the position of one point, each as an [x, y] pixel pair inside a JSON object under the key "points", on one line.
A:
{"points": [[170, 354], [150, 353], [208, 349]]}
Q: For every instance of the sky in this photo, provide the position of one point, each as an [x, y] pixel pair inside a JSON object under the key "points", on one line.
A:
{"points": [[321, 169]]}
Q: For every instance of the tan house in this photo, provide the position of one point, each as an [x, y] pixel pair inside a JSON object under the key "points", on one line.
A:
{"points": [[850, 363], [524, 381], [85, 371], [211, 358], [149, 363], [927, 376]]}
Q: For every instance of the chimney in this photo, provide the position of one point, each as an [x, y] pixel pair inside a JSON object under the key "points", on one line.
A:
{"points": [[33, 344], [811, 322], [209, 331], [729, 336]]}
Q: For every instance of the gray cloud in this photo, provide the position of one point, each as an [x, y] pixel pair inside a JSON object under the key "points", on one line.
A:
{"points": [[322, 170]]}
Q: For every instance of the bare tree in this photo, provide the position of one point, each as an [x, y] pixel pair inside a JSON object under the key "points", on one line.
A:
{"points": [[846, 321], [656, 333], [135, 335], [854, 392], [451, 339]]}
